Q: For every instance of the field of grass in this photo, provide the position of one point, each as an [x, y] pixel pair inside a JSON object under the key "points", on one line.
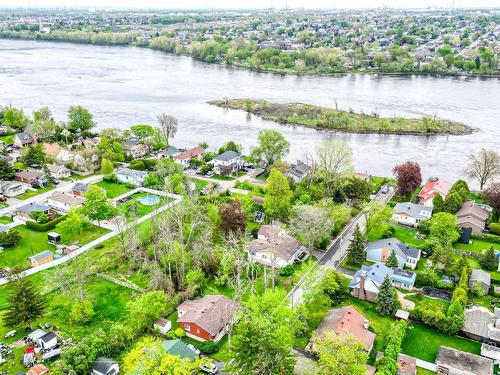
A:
{"points": [[477, 246], [32, 193], [405, 235], [5, 220], [199, 184], [345, 121], [8, 139], [113, 189]]}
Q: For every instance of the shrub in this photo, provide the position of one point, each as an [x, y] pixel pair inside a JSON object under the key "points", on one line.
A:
{"points": [[477, 289], [487, 237], [287, 271], [180, 333], [208, 347], [46, 226], [495, 228], [110, 178], [81, 312], [387, 364], [9, 238]]}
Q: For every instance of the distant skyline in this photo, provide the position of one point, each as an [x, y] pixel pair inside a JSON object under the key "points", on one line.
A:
{"points": [[255, 4]]}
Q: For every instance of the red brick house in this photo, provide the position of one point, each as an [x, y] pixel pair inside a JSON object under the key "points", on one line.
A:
{"points": [[206, 318]]}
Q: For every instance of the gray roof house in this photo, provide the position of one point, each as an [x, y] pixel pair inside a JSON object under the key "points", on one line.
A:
{"points": [[80, 188], [105, 366], [481, 277], [130, 176], [298, 171], [181, 349], [379, 251], [411, 214], [453, 361], [227, 162]]}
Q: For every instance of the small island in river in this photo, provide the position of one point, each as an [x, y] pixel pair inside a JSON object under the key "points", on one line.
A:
{"points": [[343, 121]]}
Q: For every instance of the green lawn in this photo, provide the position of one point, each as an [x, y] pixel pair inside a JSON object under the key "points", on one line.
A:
{"points": [[8, 139], [405, 235], [477, 246], [347, 265], [199, 184], [424, 342], [436, 303], [113, 189], [134, 208], [32, 193], [223, 178], [5, 220]]}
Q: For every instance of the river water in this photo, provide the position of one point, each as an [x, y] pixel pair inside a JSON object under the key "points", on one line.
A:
{"points": [[123, 86]]}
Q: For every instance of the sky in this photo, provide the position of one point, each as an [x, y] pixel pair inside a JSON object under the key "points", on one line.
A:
{"points": [[245, 4]]}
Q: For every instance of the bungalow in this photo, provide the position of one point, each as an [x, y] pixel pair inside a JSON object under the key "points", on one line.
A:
{"points": [[298, 171], [105, 366], [206, 318], [58, 171], [366, 282], [430, 189], [24, 212], [162, 325], [179, 348], [185, 156], [481, 324], [346, 320], [481, 277], [65, 201], [41, 258], [32, 177], [130, 176], [48, 341], [134, 148], [79, 189], [228, 162], [169, 152], [380, 250], [12, 188], [408, 213], [273, 247], [473, 216], [455, 362], [24, 139]]}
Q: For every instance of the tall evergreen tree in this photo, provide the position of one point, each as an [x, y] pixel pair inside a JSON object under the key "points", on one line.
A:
{"points": [[392, 260], [356, 253], [386, 298], [437, 203], [489, 260], [25, 303], [6, 171]]}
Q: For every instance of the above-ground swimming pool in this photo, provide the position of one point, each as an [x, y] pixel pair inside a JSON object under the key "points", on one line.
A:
{"points": [[149, 200]]}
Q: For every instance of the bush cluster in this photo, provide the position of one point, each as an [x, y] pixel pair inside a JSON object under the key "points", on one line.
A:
{"points": [[388, 363], [45, 226]]}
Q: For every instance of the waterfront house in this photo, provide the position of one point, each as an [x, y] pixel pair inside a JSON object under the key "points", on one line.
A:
{"points": [[430, 189], [130, 176], [411, 214], [456, 362], [481, 277], [274, 247], [31, 177], [473, 216], [185, 156], [226, 163], [12, 188], [58, 171], [379, 251], [366, 282], [65, 201], [169, 152], [206, 318], [179, 348], [342, 321], [105, 366], [41, 258]]}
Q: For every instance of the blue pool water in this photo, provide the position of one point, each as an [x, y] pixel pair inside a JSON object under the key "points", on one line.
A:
{"points": [[149, 200]]}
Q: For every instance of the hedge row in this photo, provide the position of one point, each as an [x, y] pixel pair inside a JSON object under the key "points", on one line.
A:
{"points": [[46, 226], [388, 364], [487, 237]]}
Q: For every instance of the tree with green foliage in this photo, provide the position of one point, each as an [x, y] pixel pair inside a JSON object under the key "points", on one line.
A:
{"points": [[341, 354], [74, 224], [231, 146], [97, 205], [387, 300], [392, 260], [356, 252], [378, 216], [278, 197], [79, 118], [437, 203], [81, 312], [311, 224], [272, 147], [489, 260], [14, 118], [460, 264], [452, 203], [9, 238], [107, 168], [33, 155], [387, 364], [142, 130], [443, 229], [263, 338], [146, 308], [6, 170], [25, 302]]}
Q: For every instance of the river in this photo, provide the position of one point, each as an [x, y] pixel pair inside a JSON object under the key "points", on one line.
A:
{"points": [[123, 86]]}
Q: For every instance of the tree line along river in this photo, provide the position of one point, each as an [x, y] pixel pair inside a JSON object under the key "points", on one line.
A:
{"points": [[123, 86]]}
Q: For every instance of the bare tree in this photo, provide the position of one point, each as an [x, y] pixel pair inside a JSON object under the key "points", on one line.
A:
{"points": [[311, 223], [168, 125], [483, 166], [333, 163]]}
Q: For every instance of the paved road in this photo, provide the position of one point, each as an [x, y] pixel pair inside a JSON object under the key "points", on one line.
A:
{"points": [[62, 187], [336, 251]]}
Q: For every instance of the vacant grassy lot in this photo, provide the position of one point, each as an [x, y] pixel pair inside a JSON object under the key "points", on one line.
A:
{"points": [[339, 120], [113, 189]]}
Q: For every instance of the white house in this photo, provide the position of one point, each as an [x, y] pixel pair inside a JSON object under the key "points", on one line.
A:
{"points": [[105, 366], [411, 214], [228, 162], [162, 325], [65, 201], [58, 171], [47, 341], [12, 188], [130, 176]]}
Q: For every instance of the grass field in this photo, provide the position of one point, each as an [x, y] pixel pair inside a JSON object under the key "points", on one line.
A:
{"points": [[32, 193], [477, 246], [113, 189], [5, 220]]}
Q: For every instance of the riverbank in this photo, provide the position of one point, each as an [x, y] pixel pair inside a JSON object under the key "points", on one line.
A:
{"points": [[169, 45], [343, 121]]}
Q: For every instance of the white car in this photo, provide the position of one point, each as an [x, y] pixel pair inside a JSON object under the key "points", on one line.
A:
{"points": [[209, 368]]}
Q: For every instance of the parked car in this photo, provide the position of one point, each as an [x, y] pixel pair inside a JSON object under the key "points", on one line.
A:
{"points": [[209, 368], [384, 189], [3, 198]]}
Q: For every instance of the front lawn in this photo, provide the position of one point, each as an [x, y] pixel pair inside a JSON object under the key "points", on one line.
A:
{"points": [[114, 189], [223, 178], [424, 342], [5, 220], [32, 193]]}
